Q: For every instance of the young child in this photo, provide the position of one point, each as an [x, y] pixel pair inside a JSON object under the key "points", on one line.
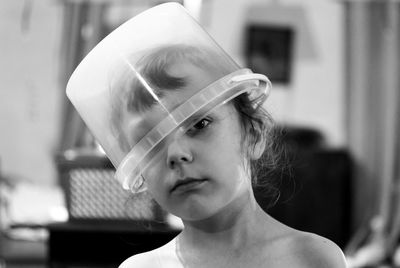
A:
{"points": [[186, 125]]}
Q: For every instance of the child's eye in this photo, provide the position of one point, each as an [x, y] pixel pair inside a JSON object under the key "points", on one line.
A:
{"points": [[202, 123], [199, 126]]}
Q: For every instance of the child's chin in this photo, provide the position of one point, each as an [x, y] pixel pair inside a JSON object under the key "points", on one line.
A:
{"points": [[197, 214]]}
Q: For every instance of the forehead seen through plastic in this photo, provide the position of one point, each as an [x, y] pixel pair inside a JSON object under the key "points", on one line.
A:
{"points": [[196, 78]]}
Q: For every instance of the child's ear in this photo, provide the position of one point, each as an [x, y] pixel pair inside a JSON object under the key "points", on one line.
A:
{"points": [[258, 148]]}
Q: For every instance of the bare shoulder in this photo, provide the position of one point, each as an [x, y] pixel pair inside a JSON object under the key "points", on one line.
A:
{"points": [[161, 257], [311, 250], [142, 260]]}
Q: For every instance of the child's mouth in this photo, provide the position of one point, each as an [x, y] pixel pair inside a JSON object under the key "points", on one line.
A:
{"points": [[187, 184]]}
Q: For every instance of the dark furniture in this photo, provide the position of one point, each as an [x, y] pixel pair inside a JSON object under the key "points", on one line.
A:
{"points": [[315, 186], [103, 244]]}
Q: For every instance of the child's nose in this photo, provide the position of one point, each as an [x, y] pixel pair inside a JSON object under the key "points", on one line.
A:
{"points": [[178, 153]]}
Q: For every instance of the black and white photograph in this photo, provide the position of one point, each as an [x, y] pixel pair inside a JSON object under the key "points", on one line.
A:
{"points": [[200, 134]]}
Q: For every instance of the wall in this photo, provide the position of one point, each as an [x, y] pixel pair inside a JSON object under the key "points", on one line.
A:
{"points": [[315, 97], [30, 91]]}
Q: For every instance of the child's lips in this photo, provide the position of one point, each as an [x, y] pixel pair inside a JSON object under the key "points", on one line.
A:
{"points": [[187, 184]]}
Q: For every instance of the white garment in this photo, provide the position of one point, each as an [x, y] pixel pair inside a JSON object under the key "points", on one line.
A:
{"points": [[163, 257]]}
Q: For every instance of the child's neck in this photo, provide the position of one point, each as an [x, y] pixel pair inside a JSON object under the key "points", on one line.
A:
{"points": [[237, 225]]}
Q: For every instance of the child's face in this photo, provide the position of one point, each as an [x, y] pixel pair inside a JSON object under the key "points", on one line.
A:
{"points": [[202, 170]]}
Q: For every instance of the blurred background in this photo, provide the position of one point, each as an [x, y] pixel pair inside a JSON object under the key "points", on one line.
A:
{"points": [[334, 65]]}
